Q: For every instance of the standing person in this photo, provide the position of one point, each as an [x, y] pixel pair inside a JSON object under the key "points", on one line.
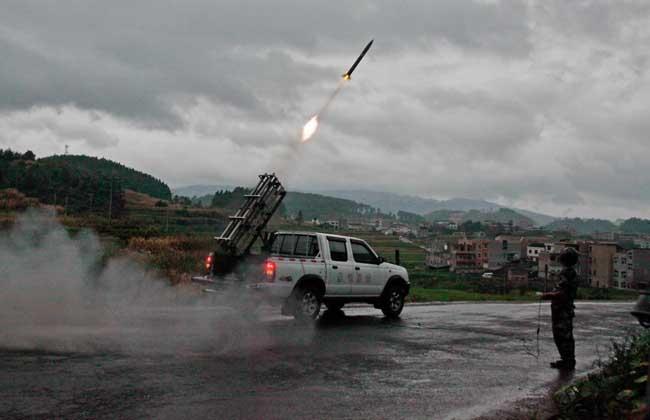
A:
{"points": [[562, 309]]}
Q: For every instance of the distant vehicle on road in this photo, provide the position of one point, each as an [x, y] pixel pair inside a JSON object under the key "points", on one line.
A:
{"points": [[487, 275], [304, 270]]}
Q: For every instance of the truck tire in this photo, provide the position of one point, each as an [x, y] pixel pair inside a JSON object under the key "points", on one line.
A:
{"points": [[393, 301], [307, 303]]}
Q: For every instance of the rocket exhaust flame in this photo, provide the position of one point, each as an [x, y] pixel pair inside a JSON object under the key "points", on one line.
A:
{"points": [[310, 128]]}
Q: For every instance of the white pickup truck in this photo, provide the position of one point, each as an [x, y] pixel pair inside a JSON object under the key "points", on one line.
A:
{"points": [[303, 270]]}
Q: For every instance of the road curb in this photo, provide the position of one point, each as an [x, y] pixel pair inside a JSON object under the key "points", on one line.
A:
{"points": [[492, 302]]}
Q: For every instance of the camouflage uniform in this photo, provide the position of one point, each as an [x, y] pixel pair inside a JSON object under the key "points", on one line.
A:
{"points": [[562, 314]]}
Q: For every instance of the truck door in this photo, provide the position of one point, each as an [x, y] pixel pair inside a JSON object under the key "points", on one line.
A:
{"points": [[340, 268], [369, 277]]}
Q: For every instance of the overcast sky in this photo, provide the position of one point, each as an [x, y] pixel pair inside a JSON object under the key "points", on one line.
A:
{"points": [[541, 105]]}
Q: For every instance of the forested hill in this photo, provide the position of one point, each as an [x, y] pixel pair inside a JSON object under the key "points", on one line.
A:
{"points": [[54, 181], [322, 207], [128, 178], [310, 206], [582, 226]]}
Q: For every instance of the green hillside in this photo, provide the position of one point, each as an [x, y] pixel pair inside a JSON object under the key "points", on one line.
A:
{"points": [[635, 225], [310, 205], [439, 215], [582, 226], [55, 182], [323, 207], [502, 215], [128, 178]]}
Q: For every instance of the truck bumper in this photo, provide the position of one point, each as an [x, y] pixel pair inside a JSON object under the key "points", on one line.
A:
{"points": [[203, 279], [272, 292], [220, 284]]}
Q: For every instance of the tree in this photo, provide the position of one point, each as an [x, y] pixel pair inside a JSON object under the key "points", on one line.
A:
{"points": [[29, 155], [470, 226]]}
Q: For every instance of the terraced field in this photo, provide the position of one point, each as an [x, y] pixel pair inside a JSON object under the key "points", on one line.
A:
{"points": [[411, 256]]}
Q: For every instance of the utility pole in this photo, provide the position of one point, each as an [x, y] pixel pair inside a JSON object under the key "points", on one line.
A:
{"points": [[545, 277], [110, 201], [66, 149]]}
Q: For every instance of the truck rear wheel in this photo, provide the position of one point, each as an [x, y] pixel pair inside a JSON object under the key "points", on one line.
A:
{"points": [[307, 304], [393, 301]]}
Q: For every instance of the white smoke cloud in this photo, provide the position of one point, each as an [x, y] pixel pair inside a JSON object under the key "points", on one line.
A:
{"points": [[58, 295]]}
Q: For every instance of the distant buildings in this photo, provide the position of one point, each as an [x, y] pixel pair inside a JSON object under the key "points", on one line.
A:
{"points": [[334, 224], [548, 265], [602, 264], [641, 268], [400, 229], [439, 254], [478, 255], [502, 252], [517, 278], [534, 249], [469, 255], [623, 274], [631, 268]]}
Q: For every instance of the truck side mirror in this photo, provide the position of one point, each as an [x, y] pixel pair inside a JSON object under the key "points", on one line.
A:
{"points": [[380, 260]]}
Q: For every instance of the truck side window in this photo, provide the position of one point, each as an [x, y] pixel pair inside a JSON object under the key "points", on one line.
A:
{"points": [[362, 254], [288, 245], [306, 246], [338, 251], [313, 247], [277, 243]]}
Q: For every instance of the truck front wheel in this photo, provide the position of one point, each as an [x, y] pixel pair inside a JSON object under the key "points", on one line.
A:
{"points": [[393, 301], [307, 304]]}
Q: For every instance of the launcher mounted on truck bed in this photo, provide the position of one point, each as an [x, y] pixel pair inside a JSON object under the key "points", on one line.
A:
{"points": [[244, 228]]}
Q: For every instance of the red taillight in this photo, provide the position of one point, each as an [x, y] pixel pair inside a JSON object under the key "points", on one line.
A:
{"points": [[208, 262], [269, 270]]}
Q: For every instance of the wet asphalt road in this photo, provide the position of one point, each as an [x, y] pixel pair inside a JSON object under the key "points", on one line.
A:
{"points": [[438, 361]]}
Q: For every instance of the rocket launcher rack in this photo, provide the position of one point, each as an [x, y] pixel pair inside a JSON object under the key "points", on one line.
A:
{"points": [[247, 223]]}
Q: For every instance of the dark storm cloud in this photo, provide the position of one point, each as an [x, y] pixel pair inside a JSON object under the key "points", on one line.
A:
{"points": [[134, 59]]}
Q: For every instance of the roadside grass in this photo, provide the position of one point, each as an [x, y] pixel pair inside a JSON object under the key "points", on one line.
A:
{"points": [[178, 257], [606, 294], [616, 390]]}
